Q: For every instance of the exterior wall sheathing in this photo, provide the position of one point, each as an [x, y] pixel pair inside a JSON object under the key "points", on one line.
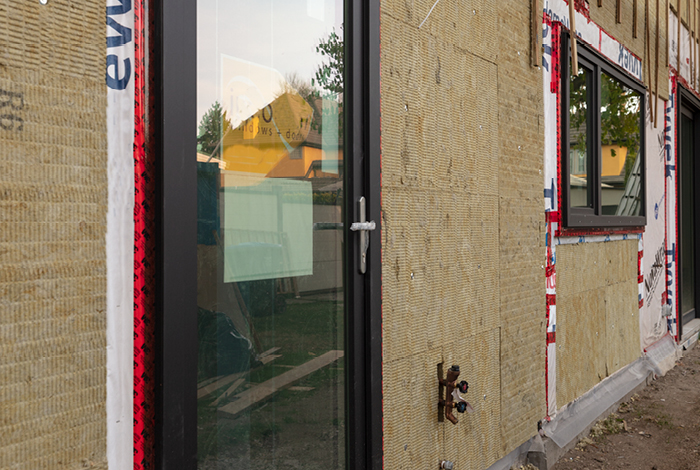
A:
{"points": [[595, 290], [461, 200], [597, 314], [53, 198]]}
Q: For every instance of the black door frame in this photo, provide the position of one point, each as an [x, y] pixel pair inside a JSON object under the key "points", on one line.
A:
{"points": [[690, 102], [176, 399]]}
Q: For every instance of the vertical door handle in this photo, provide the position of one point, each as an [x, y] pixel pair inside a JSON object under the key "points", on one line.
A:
{"points": [[363, 226]]}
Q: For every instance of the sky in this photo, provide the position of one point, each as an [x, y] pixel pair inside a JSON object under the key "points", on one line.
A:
{"points": [[279, 35]]}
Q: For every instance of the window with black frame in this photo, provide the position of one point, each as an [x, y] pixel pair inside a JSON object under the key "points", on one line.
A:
{"points": [[602, 144]]}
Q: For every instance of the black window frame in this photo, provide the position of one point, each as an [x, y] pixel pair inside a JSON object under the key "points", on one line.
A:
{"points": [[176, 320], [592, 218]]}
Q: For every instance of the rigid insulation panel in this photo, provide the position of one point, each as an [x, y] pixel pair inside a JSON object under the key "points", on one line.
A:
{"points": [[474, 443], [581, 343], [413, 437], [521, 227], [597, 314], [622, 324], [53, 181], [412, 433], [440, 224]]}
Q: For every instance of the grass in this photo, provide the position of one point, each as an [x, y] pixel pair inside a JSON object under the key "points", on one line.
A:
{"points": [[613, 424], [302, 332]]}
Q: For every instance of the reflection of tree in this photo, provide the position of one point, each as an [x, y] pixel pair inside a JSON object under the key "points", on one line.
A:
{"points": [[330, 75], [293, 83], [213, 126], [619, 116]]}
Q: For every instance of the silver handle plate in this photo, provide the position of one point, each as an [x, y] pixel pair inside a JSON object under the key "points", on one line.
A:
{"points": [[363, 226]]}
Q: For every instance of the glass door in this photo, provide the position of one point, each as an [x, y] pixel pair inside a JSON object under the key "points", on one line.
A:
{"points": [[270, 244], [269, 295], [687, 207]]}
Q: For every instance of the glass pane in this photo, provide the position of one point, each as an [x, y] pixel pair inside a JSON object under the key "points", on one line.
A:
{"points": [[579, 161], [270, 239], [687, 242], [620, 136]]}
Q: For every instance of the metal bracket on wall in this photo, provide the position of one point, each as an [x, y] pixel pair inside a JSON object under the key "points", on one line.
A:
{"points": [[363, 226]]}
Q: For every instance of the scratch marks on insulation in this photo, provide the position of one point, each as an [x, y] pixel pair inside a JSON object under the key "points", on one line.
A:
{"points": [[428, 15]]}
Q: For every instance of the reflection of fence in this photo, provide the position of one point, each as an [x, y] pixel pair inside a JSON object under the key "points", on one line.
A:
{"points": [[263, 252], [267, 230], [630, 204]]}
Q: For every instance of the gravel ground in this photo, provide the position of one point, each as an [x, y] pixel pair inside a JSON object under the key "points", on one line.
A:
{"points": [[658, 429]]}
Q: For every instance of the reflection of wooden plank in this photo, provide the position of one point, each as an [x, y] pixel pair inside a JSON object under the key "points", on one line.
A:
{"points": [[245, 399], [265, 358], [270, 358], [206, 382], [268, 352], [213, 387], [229, 391]]}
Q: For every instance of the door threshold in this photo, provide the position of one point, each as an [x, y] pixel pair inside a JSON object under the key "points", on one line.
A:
{"points": [[690, 335]]}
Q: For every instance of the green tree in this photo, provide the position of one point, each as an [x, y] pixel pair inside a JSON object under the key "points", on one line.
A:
{"points": [[213, 126], [330, 74], [619, 116]]}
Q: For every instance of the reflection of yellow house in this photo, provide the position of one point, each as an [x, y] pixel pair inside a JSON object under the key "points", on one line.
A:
{"points": [[300, 162], [614, 158], [278, 141], [273, 132]]}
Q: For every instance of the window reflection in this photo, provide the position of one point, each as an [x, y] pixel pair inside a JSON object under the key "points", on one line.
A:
{"points": [[620, 140], [270, 259], [579, 117]]}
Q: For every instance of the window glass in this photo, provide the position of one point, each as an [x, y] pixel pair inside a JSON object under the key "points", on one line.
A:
{"points": [[579, 118], [271, 314], [620, 172]]}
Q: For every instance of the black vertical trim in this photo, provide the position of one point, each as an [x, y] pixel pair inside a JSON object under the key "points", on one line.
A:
{"points": [[363, 294], [176, 407], [373, 280]]}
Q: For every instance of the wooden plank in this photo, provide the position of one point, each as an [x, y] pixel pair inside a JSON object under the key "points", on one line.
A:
{"points": [[668, 40], [228, 391], [536, 39], [618, 12], [656, 73], [678, 39], [690, 43], [695, 43], [647, 39], [251, 396], [572, 30]]}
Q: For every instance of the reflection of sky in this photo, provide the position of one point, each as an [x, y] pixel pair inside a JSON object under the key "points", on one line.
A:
{"points": [[280, 34]]}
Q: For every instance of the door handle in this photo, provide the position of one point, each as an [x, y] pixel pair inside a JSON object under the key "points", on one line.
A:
{"points": [[363, 226]]}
